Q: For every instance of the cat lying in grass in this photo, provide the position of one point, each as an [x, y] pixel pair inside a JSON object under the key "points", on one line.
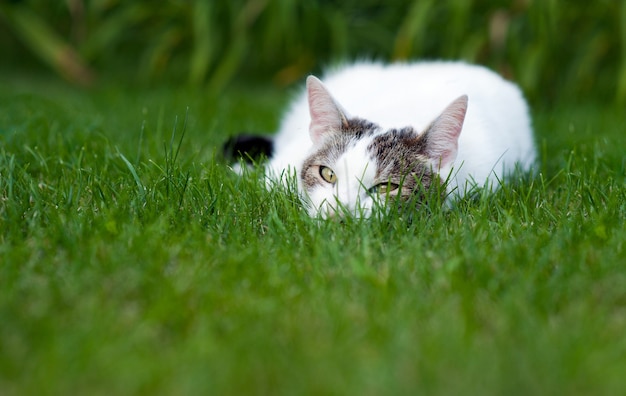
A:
{"points": [[372, 132]]}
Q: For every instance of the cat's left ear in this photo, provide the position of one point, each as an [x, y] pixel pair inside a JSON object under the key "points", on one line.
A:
{"points": [[326, 114], [442, 137]]}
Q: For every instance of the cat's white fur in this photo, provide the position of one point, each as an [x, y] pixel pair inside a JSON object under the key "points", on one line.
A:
{"points": [[496, 133]]}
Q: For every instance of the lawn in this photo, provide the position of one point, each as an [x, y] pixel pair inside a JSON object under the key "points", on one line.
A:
{"points": [[133, 261]]}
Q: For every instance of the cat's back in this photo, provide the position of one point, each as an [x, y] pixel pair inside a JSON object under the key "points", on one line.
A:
{"points": [[401, 94]]}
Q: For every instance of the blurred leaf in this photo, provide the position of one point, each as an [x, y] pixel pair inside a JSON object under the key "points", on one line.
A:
{"points": [[108, 28], [621, 89], [160, 53], [45, 43], [228, 64], [554, 48], [413, 27], [203, 47]]}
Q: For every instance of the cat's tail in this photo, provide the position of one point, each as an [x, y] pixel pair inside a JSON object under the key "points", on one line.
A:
{"points": [[250, 148]]}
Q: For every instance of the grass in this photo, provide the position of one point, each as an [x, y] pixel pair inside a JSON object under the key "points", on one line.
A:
{"points": [[134, 261]]}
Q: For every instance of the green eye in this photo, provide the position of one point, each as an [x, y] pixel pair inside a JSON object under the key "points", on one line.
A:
{"points": [[383, 188], [328, 174]]}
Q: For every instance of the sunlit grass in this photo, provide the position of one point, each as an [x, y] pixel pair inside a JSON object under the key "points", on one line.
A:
{"points": [[133, 260]]}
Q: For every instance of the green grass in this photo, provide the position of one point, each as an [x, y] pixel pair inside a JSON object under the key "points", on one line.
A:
{"points": [[133, 261]]}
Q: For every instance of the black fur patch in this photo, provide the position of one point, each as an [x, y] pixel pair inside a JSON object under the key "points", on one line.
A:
{"points": [[251, 148]]}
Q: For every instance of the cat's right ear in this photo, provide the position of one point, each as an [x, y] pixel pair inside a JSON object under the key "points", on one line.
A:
{"points": [[326, 114], [442, 137]]}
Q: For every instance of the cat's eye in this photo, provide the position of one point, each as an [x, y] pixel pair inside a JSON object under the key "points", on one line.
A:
{"points": [[383, 188], [328, 174]]}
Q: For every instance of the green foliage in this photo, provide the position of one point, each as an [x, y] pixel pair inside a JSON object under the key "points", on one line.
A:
{"points": [[132, 260], [556, 49]]}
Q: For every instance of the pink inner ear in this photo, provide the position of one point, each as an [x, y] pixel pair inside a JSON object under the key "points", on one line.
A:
{"points": [[326, 114], [443, 134]]}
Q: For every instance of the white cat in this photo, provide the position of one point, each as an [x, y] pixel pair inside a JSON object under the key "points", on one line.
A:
{"points": [[374, 131]]}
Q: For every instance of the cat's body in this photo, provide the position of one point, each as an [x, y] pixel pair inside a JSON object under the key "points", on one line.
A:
{"points": [[403, 125]]}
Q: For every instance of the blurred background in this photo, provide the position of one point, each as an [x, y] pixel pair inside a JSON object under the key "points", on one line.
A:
{"points": [[555, 49]]}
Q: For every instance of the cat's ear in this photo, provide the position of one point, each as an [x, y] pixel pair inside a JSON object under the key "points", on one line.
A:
{"points": [[326, 114], [442, 137]]}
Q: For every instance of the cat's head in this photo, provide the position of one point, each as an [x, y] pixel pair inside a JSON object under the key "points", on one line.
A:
{"points": [[355, 166]]}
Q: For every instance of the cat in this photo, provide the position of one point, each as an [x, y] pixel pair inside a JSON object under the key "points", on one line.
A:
{"points": [[374, 131]]}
